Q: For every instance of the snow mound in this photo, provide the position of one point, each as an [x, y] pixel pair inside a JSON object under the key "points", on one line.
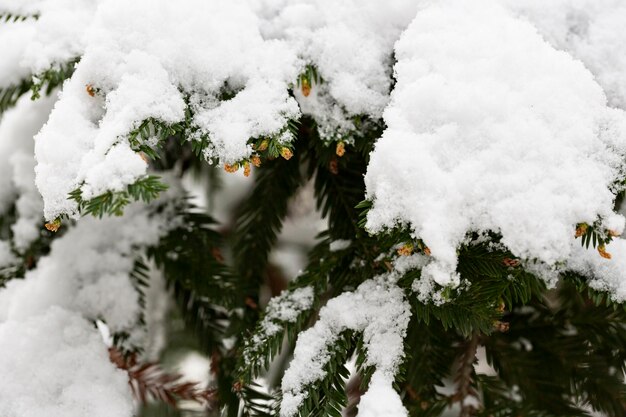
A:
{"points": [[57, 366], [491, 128]]}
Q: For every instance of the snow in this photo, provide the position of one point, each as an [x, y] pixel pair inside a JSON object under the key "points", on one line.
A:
{"points": [[607, 275], [17, 177], [492, 129], [351, 45], [96, 283], [33, 46], [591, 30], [377, 309], [286, 307], [56, 365], [151, 68], [6, 255], [381, 400]]}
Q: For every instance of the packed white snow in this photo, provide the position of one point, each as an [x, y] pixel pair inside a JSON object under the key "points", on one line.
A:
{"points": [[491, 128], [55, 364], [379, 311]]}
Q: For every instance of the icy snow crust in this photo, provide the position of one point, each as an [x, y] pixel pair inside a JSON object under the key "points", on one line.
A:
{"points": [[491, 128]]}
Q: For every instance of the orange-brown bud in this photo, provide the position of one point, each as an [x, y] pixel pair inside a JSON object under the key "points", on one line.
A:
{"points": [[501, 326], [286, 153], [54, 225], [263, 145], [511, 262], [405, 250], [231, 168], [256, 160], [341, 149], [246, 169], [90, 90], [602, 251], [333, 166], [581, 230], [306, 87]]}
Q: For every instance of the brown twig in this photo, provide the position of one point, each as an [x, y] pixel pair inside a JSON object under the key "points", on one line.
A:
{"points": [[149, 381], [464, 378]]}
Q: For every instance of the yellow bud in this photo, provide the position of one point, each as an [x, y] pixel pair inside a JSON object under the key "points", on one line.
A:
{"points": [[341, 149], [406, 249], [581, 230], [602, 251], [54, 225], [231, 168], [306, 87], [246, 169], [263, 145], [286, 153]]}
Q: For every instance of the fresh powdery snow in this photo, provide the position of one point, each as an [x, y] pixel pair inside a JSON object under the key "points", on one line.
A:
{"points": [[591, 30], [17, 175], [379, 311], [54, 364], [350, 42], [491, 128], [151, 60]]}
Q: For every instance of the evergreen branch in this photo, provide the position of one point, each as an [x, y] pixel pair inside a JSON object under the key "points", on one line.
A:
{"points": [[10, 17], [564, 353], [260, 219], [51, 78], [465, 377], [150, 381], [145, 189], [46, 81], [10, 94]]}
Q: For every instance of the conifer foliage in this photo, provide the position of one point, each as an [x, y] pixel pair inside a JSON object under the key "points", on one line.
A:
{"points": [[468, 160]]}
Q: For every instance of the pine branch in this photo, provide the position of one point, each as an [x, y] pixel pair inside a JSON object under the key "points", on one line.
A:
{"points": [[465, 377], [149, 381], [144, 189], [260, 218], [10, 17]]}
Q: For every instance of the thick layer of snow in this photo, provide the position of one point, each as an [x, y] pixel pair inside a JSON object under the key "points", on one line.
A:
{"points": [[492, 129], [54, 364], [17, 176], [153, 67], [87, 271], [32, 46], [377, 309], [351, 45], [591, 30]]}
